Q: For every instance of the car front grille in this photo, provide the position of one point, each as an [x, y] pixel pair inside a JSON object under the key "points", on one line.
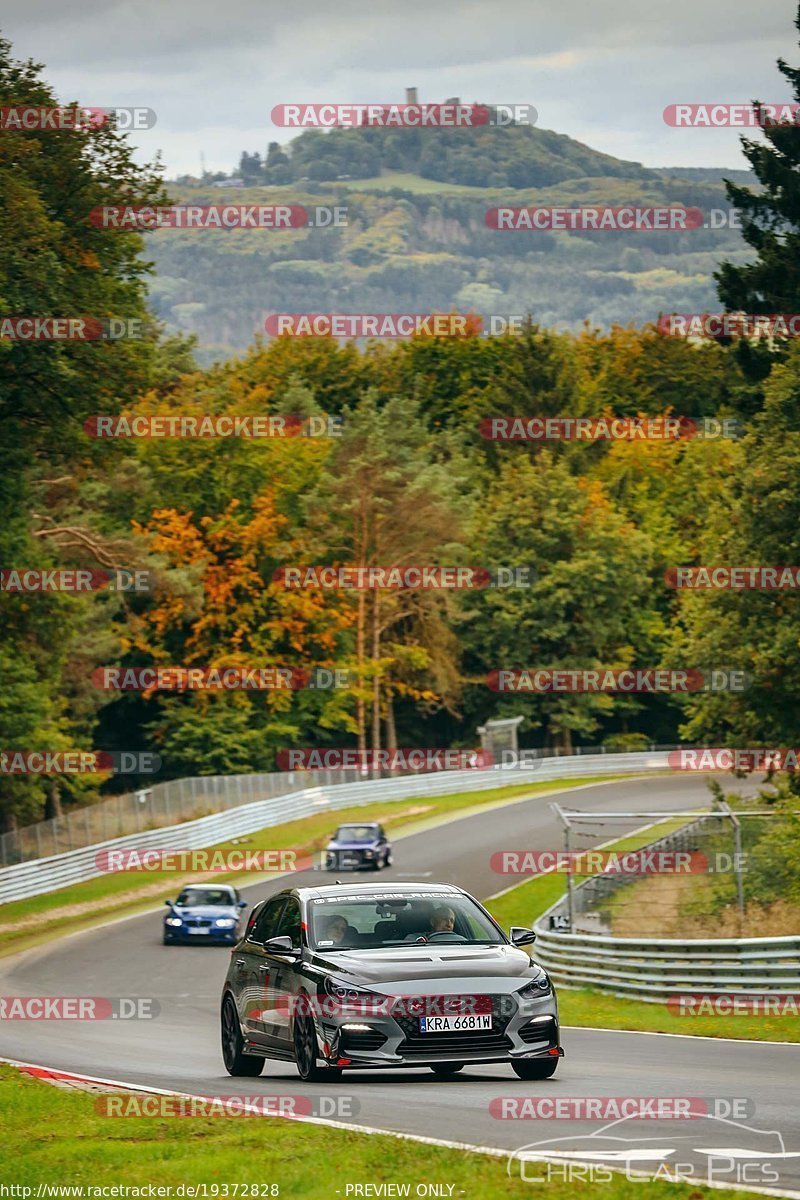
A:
{"points": [[455, 1042], [197, 922]]}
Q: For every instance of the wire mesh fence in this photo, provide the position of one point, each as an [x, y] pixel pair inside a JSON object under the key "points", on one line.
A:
{"points": [[178, 800], [716, 871]]}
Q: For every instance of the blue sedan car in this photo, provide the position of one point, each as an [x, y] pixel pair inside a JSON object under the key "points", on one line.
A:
{"points": [[358, 848], [204, 913]]}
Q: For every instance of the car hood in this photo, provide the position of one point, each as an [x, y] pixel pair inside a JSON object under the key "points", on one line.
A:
{"points": [[403, 967], [206, 910]]}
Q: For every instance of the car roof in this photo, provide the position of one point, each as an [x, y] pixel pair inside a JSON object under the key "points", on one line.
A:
{"points": [[365, 824], [375, 889]]}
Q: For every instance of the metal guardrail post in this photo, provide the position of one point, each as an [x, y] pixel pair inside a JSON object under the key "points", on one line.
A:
{"points": [[737, 857], [564, 819]]}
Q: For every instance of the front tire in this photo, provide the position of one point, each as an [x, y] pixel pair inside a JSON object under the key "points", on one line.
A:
{"points": [[535, 1068], [236, 1061], [306, 1052], [445, 1070]]}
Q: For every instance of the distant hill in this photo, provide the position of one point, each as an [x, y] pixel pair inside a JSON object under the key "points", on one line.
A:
{"points": [[416, 238], [515, 156], [426, 247]]}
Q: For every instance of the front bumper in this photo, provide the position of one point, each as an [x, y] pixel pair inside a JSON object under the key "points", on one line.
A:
{"points": [[219, 936], [349, 860], [519, 1031]]}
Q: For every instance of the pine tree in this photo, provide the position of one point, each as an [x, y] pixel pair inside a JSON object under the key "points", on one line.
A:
{"points": [[770, 217]]}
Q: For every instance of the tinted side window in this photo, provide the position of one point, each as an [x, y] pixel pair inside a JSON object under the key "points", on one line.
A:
{"points": [[267, 921], [289, 924]]}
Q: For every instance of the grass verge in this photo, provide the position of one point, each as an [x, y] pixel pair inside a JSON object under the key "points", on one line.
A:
{"points": [[62, 1140], [527, 902], [26, 923]]}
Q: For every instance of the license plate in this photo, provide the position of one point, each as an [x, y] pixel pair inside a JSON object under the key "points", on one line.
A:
{"points": [[452, 1024], [198, 930]]}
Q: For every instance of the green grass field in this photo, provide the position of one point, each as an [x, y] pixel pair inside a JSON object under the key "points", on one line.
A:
{"points": [[62, 1140]]}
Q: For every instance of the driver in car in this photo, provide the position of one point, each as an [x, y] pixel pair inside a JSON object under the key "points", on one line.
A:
{"points": [[442, 919], [336, 928]]}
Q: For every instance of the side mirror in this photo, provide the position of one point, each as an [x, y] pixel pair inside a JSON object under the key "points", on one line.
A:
{"points": [[521, 936], [242, 904], [281, 945], [168, 903]]}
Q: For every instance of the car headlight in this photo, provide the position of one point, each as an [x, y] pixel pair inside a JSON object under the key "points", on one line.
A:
{"points": [[346, 991], [369, 854], [353, 1000], [174, 920], [225, 923], [539, 986]]}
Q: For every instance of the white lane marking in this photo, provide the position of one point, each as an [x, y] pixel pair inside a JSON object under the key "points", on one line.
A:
{"points": [[689, 1037], [639, 1154], [492, 1151], [734, 1152]]}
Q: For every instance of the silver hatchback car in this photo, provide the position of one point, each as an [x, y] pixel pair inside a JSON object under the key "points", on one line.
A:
{"points": [[353, 976]]}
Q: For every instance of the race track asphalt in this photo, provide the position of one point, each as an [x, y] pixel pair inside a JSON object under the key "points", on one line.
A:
{"points": [[180, 1049]]}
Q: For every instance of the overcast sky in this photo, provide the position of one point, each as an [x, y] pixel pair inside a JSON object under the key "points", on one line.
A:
{"points": [[601, 72]]}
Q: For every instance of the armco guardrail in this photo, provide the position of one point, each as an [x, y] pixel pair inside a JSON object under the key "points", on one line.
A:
{"points": [[47, 874], [656, 968]]}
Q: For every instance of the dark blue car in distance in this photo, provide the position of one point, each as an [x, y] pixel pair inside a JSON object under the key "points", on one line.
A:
{"points": [[204, 912], [360, 846]]}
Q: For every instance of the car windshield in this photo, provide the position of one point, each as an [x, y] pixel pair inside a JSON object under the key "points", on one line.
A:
{"points": [[356, 833], [370, 922], [209, 896]]}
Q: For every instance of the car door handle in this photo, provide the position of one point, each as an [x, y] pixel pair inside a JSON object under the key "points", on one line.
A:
{"points": [[264, 967], [240, 962]]}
